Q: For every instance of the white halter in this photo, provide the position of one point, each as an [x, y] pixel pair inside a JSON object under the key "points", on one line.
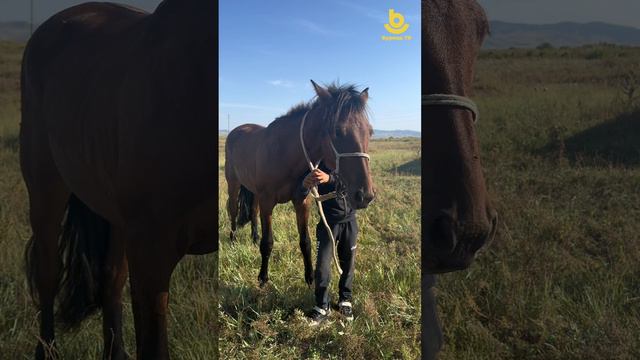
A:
{"points": [[341, 155]]}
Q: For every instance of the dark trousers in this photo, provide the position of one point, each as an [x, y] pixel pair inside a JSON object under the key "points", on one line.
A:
{"points": [[345, 234]]}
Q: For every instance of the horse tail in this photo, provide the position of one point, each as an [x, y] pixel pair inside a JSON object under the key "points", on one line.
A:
{"points": [[245, 206], [83, 246], [30, 270]]}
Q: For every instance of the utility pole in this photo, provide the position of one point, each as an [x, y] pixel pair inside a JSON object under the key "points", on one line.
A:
{"points": [[31, 19], [228, 122]]}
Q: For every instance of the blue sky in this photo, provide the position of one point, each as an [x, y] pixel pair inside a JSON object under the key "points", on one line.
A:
{"points": [[270, 49]]}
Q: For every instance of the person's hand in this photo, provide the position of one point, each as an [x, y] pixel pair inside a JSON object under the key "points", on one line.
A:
{"points": [[314, 178]]}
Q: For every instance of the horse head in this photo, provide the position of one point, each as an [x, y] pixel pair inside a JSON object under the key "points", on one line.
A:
{"points": [[457, 216], [345, 131]]}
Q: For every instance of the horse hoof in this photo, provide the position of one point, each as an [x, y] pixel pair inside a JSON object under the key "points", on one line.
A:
{"points": [[263, 279]]}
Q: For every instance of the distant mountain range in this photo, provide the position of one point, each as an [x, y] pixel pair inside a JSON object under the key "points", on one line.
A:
{"points": [[17, 31], [506, 35], [503, 34], [384, 134], [377, 134]]}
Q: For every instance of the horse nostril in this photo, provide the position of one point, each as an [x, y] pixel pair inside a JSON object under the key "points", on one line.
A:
{"points": [[359, 196], [369, 197], [443, 234]]}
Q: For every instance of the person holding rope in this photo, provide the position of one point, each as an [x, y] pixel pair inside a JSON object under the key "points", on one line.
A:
{"points": [[341, 218]]}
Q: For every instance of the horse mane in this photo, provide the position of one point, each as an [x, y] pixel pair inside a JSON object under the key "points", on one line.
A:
{"points": [[346, 103]]}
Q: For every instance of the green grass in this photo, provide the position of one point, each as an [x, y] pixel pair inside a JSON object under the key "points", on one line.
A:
{"points": [[561, 152]]}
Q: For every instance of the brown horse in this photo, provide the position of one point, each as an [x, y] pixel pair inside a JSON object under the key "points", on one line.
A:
{"points": [[118, 124], [457, 217], [263, 165]]}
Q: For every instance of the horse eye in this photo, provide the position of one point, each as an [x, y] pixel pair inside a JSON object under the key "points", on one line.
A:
{"points": [[338, 133]]}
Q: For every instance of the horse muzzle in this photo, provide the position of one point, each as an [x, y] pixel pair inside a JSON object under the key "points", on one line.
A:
{"points": [[361, 199], [452, 245]]}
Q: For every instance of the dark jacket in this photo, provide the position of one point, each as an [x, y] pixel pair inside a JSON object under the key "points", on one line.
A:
{"points": [[336, 210]]}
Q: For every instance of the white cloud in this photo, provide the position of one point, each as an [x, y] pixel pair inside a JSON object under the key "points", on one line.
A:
{"points": [[313, 27], [281, 83]]}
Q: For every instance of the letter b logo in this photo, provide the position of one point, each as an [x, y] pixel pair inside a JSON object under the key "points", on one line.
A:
{"points": [[396, 23]]}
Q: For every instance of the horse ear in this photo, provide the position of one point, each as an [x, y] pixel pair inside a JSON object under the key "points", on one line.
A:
{"points": [[322, 92], [365, 94]]}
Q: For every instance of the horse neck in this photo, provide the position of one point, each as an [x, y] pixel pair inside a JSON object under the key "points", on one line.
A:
{"points": [[465, 40]]}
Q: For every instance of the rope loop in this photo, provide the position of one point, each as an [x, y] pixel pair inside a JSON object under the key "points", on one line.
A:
{"points": [[452, 100]]}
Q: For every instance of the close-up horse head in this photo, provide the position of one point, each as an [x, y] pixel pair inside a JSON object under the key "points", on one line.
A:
{"points": [[347, 131], [458, 218]]}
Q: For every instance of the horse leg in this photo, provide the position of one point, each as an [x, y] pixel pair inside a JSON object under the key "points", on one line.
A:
{"points": [[44, 263], [266, 243], [431, 330], [48, 198], [232, 205], [151, 261], [254, 220], [302, 218], [116, 275]]}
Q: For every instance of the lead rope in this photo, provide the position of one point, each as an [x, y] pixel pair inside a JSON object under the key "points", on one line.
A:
{"points": [[320, 198]]}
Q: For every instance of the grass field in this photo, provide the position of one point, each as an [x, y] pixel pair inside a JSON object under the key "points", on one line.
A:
{"points": [[561, 149], [269, 323], [560, 138]]}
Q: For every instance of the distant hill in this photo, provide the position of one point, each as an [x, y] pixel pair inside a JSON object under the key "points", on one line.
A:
{"points": [[383, 134], [17, 31], [377, 134], [506, 35]]}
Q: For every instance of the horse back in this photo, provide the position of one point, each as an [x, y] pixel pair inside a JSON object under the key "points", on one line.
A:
{"points": [[267, 161]]}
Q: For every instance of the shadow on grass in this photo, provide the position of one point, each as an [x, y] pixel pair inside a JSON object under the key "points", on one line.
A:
{"points": [[614, 142], [249, 302], [413, 167]]}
